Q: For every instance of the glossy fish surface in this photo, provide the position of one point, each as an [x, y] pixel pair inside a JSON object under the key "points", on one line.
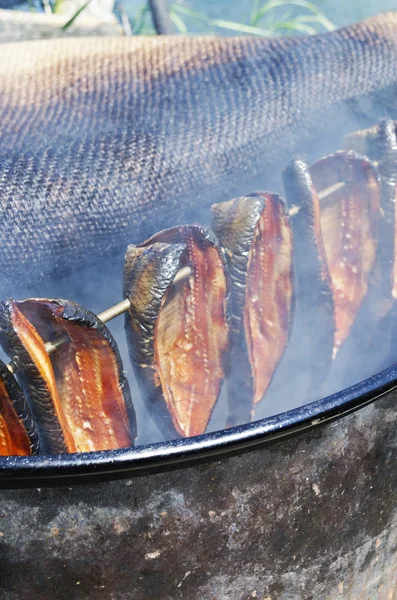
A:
{"points": [[349, 218], [79, 395], [256, 234], [18, 434], [177, 325], [379, 144]]}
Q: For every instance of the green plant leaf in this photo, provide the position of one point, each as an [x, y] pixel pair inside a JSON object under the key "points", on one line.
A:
{"points": [[57, 6], [273, 4], [74, 17], [254, 11], [178, 22], [240, 27], [287, 21], [320, 19], [139, 23], [294, 26], [189, 12]]}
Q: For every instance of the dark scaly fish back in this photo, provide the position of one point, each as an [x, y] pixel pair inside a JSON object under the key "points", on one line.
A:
{"points": [[148, 274], [256, 234], [312, 337], [225, 216]]}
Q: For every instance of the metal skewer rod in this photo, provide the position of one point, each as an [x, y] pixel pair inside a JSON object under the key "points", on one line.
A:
{"points": [[325, 193], [114, 311], [107, 315], [330, 190]]}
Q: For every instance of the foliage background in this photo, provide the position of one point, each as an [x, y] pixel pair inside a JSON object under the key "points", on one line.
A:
{"points": [[197, 16], [223, 17]]}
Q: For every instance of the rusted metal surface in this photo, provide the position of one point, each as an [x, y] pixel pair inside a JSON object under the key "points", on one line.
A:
{"points": [[313, 516]]}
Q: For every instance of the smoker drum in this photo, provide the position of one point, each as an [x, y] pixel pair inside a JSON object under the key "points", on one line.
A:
{"points": [[227, 515]]}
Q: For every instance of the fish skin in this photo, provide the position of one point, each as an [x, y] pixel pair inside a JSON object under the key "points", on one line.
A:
{"points": [[179, 388], [55, 411], [349, 221], [36, 388], [238, 224], [148, 273], [313, 329], [103, 142], [379, 143], [20, 433]]}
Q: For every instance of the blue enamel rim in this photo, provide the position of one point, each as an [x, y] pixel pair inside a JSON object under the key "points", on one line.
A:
{"points": [[176, 453]]}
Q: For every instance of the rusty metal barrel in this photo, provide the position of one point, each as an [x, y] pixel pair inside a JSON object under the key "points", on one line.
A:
{"points": [[300, 505]]}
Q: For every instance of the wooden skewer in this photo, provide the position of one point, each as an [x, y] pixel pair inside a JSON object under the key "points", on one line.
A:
{"points": [[325, 193], [330, 190], [107, 315], [114, 311], [121, 307]]}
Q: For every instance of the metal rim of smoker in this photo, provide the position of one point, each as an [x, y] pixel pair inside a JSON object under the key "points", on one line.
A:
{"points": [[110, 464]]}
